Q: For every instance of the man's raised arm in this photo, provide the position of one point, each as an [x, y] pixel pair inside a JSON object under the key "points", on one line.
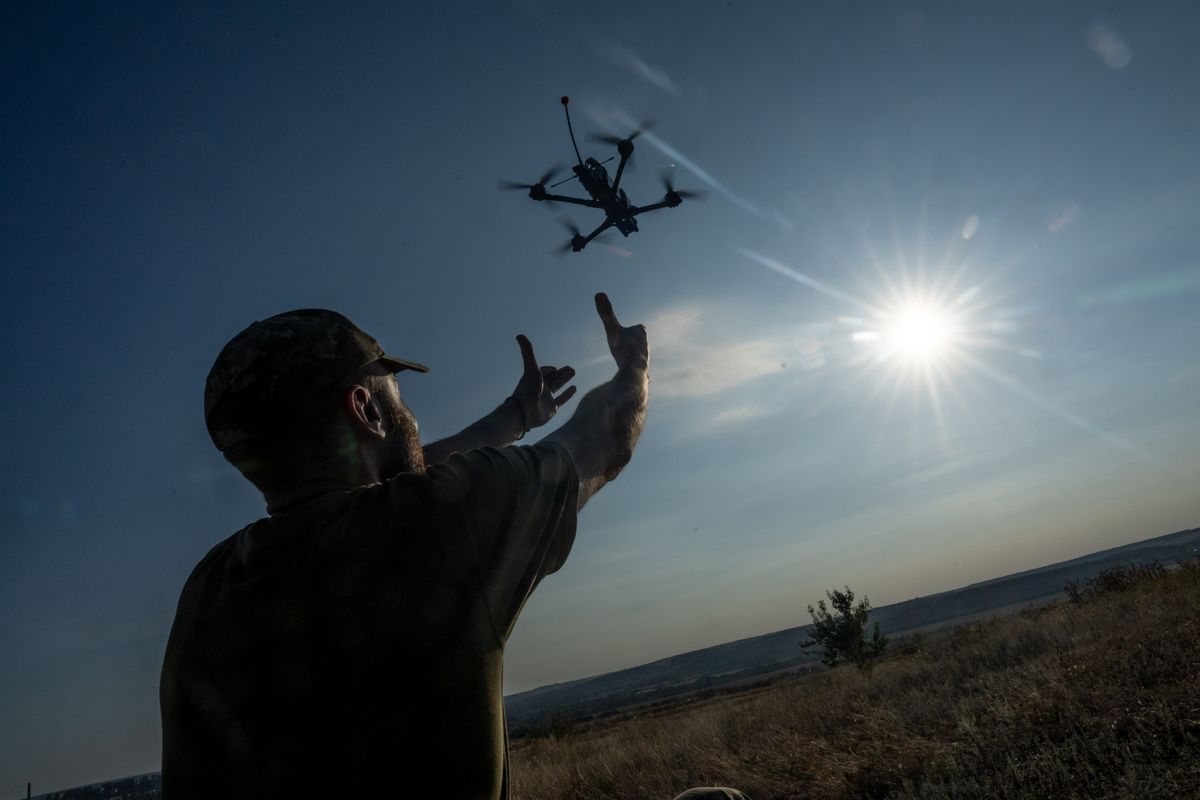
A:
{"points": [[601, 434], [531, 405]]}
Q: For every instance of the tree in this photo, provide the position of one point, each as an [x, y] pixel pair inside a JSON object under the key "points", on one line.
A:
{"points": [[843, 632]]}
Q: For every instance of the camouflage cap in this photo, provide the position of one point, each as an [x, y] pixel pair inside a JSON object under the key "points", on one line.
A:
{"points": [[285, 359]]}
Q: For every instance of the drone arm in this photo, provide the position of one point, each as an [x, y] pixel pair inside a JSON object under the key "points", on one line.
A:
{"points": [[603, 227], [620, 169], [558, 198], [652, 207]]}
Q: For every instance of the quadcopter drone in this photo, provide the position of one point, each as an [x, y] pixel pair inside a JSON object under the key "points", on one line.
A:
{"points": [[619, 212]]}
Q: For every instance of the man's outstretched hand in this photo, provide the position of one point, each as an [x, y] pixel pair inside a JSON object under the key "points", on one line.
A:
{"points": [[531, 404], [628, 345], [601, 434], [535, 392]]}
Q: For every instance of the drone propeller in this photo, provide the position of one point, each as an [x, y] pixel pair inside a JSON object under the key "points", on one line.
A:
{"points": [[546, 176], [667, 177], [576, 241], [624, 146], [616, 140]]}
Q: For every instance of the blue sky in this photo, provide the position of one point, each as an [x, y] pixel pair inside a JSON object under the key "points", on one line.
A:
{"points": [[1025, 173]]}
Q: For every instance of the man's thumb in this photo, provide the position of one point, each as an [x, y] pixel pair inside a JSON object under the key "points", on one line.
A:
{"points": [[605, 310]]}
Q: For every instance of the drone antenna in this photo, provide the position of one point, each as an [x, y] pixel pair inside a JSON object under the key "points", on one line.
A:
{"points": [[566, 100]]}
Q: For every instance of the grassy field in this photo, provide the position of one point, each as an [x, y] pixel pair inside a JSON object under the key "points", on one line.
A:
{"points": [[1092, 699]]}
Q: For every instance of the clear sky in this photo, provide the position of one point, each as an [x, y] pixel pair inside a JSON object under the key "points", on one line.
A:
{"points": [[935, 323]]}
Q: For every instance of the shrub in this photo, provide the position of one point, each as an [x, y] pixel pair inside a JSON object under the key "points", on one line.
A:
{"points": [[842, 632], [1120, 578]]}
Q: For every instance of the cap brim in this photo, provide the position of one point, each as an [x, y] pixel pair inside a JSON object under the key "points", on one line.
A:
{"points": [[400, 364]]}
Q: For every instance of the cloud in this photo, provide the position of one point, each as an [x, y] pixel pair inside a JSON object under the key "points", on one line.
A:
{"points": [[691, 360], [1064, 215], [1150, 287], [1108, 46], [970, 227], [718, 368], [624, 57], [736, 415]]}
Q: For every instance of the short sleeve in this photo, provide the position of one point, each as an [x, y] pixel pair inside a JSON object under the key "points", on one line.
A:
{"points": [[517, 506]]}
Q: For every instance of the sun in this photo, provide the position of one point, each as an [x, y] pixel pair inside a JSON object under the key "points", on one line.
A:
{"points": [[918, 332]]}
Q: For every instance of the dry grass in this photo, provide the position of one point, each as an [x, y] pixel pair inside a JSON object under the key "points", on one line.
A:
{"points": [[1093, 700]]}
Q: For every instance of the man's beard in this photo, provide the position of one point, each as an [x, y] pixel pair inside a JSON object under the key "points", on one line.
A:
{"points": [[405, 453]]}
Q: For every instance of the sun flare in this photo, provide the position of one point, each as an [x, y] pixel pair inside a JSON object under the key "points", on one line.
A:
{"points": [[918, 332]]}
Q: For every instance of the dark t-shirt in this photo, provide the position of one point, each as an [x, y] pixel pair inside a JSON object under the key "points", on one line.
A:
{"points": [[355, 647]]}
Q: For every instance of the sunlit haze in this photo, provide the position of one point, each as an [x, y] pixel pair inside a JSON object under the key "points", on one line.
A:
{"points": [[934, 323]]}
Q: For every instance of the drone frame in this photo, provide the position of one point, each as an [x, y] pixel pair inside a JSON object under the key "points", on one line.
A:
{"points": [[625, 148]]}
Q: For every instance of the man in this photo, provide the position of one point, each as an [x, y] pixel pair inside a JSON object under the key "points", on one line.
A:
{"points": [[351, 643]]}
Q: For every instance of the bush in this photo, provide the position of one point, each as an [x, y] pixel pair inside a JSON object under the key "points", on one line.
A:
{"points": [[842, 633], [1120, 578]]}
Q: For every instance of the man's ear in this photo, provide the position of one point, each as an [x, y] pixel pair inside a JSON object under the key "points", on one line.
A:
{"points": [[365, 412]]}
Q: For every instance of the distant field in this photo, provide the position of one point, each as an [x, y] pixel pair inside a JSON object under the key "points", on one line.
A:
{"points": [[1092, 700], [715, 668]]}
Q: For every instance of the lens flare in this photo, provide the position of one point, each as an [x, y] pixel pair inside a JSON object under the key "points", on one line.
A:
{"points": [[931, 336], [919, 332]]}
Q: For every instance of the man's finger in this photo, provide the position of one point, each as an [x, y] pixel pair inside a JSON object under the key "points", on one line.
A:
{"points": [[567, 394], [557, 379], [531, 365], [605, 310]]}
